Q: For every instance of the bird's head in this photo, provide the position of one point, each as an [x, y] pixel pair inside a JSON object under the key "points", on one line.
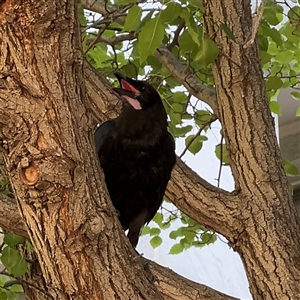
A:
{"points": [[139, 94]]}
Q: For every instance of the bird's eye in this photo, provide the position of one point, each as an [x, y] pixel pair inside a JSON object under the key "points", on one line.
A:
{"points": [[143, 88]]}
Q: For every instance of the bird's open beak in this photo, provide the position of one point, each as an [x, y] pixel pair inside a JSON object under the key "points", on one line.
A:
{"points": [[127, 90], [126, 86]]}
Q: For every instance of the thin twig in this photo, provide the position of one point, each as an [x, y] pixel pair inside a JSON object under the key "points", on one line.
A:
{"points": [[210, 121], [256, 23], [176, 35], [221, 161]]}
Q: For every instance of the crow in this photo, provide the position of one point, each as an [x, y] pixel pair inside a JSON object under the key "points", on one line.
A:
{"points": [[137, 155]]}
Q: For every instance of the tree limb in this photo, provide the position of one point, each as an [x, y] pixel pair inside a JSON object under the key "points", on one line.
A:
{"points": [[170, 285], [167, 281], [112, 41], [10, 218], [183, 75]]}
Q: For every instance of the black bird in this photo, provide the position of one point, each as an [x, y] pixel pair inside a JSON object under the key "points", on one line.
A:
{"points": [[137, 155]]}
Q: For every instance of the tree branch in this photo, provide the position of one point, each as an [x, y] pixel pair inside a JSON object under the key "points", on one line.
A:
{"points": [[170, 285], [183, 75], [167, 282], [112, 41], [176, 35], [10, 218], [178, 71]]}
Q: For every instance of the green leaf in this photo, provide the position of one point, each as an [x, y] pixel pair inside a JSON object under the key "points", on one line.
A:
{"points": [[81, 16], [298, 112], [171, 81], [203, 138], [279, 16], [196, 3], [201, 117], [133, 18], [14, 262], [196, 145], [207, 238], [3, 295], [224, 156], [285, 57], [263, 43], [271, 17], [295, 95], [275, 107], [29, 246], [150, 38], [186, 116], [184, 242], [276, 36], [177, 107], [180, 97], [189, 235], [12, 239], [17, 288], [289, 31], [173, 235], [190, 221], [265, 57], [176, 249], [156, 241], [130, 70], [274, 83], [165, 225], [158, 218], [182, 131], [155, 231], [227, 31], [122, 2], [293, 15], [180, 230], [100, 57], [195, 31], [198, 244], [146, 18], [145, 230], [186, 42], [8, 256], [175, 118], [208, 52], [154, 63], [171, 12], [289, 168]]}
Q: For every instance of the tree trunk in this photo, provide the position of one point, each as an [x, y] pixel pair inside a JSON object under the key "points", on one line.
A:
{"points": [[269, 244], [45, 127], [50, 158]]}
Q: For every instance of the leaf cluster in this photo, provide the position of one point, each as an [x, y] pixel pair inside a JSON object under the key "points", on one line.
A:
{"points": [[15, 265]]}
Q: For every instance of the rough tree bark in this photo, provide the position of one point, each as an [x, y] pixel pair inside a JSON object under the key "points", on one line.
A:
{"points": [[50, 158], [60, 195], [269, 245], [171, 285]]}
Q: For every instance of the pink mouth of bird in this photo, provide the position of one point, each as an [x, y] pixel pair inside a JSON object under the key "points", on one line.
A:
{"points": [[132, 101]]}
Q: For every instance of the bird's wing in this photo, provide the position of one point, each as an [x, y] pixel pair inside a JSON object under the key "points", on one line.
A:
{"points": [[168, 161], [102, 133]]}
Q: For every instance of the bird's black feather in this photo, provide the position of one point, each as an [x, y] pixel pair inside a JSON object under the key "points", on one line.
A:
{"points": [[136, 153]]}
